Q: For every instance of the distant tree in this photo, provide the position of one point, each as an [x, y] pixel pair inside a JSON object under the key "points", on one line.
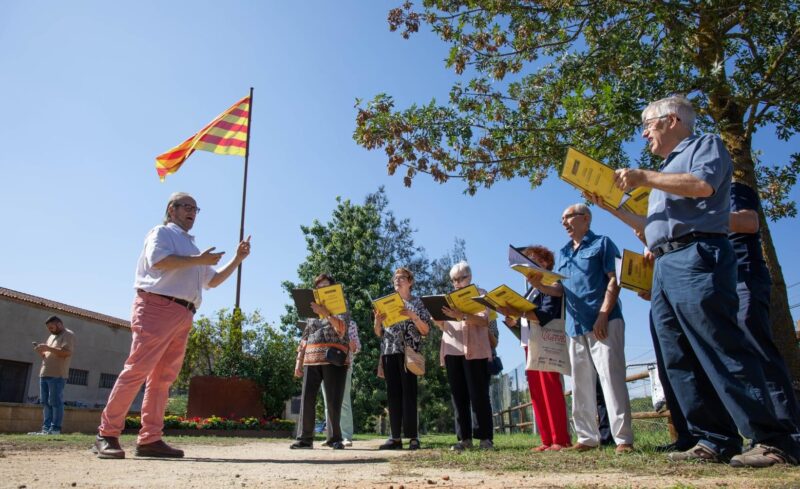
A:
{"points": [[361, 246], [236, 345], [549, 74], [436, 410]]}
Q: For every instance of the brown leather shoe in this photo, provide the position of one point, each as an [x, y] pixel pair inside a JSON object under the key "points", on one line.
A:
{"points": [[107, 447], [579, 447], [158, 449], [624, 448]]}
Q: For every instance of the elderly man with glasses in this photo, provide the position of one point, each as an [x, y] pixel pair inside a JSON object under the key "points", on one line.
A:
{"points": [[170, 276], [596, 330], [712, 365]]}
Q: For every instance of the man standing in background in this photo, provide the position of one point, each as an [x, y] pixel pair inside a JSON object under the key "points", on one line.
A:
{"points": [[56, 353]]}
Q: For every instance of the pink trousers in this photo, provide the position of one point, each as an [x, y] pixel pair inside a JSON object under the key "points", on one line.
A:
{"points": [[160, 330]]}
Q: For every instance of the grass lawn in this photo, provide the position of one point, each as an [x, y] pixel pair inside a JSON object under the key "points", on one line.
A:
{"points": [[513, 455]]}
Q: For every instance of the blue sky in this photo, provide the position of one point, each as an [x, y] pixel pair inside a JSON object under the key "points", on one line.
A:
{"points": [[92, 91]]}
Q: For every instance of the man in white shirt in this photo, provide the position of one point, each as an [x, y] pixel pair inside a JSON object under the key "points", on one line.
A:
{"points": [[170, 276]]}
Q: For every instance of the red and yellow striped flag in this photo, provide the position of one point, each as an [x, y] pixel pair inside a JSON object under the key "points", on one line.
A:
{"points": [[225, 135]]}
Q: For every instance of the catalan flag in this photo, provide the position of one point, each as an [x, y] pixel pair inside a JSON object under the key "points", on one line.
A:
{"points": [[225, 135]]}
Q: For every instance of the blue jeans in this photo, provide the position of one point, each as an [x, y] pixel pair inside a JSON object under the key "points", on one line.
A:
{"points": [[717, 377], [51, 393]]}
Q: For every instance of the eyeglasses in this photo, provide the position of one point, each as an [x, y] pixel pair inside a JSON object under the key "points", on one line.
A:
{"points": [[569, 216], [400, 278], [648, 123], [459, 279], [189, 207]]}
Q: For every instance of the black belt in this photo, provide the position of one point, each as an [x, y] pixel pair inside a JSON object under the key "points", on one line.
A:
{"points": [[182, 302], [677, 243]]}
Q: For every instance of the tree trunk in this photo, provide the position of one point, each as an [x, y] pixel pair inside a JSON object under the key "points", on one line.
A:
{"points": [[782, 326], [783, 331]]}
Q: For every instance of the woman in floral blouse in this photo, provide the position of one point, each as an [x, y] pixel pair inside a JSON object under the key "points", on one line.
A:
{"points": [[401, 385], [313, 365]]}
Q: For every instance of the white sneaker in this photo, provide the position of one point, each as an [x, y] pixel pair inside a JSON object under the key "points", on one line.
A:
{"points": [[38, 433], [347, 443], [54, 432]]}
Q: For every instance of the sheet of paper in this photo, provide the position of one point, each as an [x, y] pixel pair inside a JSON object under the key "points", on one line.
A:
{"points": [[590, 175]]}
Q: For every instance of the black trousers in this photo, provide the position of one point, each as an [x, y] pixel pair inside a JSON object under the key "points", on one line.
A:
{"points": [[335, 378], [469, 387], [401, 396]]}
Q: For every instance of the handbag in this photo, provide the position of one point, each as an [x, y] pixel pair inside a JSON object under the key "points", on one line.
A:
{"points": [[414, 361], [548, 346], [335, 356], [380, 373], [495, 364]]}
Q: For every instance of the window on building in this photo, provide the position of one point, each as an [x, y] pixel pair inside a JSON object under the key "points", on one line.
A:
{"points": [[107, 381], [78, 377]]}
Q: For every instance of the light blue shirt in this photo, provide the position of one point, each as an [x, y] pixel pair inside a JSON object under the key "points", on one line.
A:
{"points": [[671, 216], [587, 269]]}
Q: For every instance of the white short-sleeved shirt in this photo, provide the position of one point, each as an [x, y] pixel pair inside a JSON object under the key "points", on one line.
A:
{"points": [[183, 283]]}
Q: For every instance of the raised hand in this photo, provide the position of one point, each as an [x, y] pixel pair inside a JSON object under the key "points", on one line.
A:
{"points": [[243, 250]]}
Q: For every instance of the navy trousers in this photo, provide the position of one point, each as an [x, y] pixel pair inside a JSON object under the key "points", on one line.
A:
{"points": [[753, 289], [685, 439], [715, 373]]}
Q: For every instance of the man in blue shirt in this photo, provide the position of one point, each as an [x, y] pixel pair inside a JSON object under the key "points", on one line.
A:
{"points": [[596, 330], [717, 377]]}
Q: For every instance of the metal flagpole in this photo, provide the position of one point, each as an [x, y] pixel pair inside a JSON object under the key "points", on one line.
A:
{"points": [[244, 196]]}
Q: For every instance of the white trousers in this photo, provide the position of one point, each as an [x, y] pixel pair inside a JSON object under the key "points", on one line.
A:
{"points": [[591, 357]]}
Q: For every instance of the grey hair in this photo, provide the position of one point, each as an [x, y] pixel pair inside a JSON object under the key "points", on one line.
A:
{"points": [[583, 209], [175, 197], [459, 267], [676, 104]]}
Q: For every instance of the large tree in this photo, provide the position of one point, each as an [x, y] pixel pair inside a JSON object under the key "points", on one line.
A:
{"points": [[544, 75], [360, 246]]}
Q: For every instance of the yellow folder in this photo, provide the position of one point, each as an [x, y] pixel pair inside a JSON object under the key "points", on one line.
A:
{"points": [[637, 201], [391, 305], [589, 175], [635, 272]]}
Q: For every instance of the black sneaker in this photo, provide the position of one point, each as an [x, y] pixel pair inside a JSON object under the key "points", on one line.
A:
{"points": [[391, 444], [301, 445], [336, 445], [413, 444], [673, 447]]}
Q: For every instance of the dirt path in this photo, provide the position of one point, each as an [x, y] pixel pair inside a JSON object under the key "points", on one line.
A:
{"points": [[273, 464]]}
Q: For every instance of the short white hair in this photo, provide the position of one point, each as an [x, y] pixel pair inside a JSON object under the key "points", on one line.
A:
{"points": [[677, 104], [459, 267], [583, 209]]}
